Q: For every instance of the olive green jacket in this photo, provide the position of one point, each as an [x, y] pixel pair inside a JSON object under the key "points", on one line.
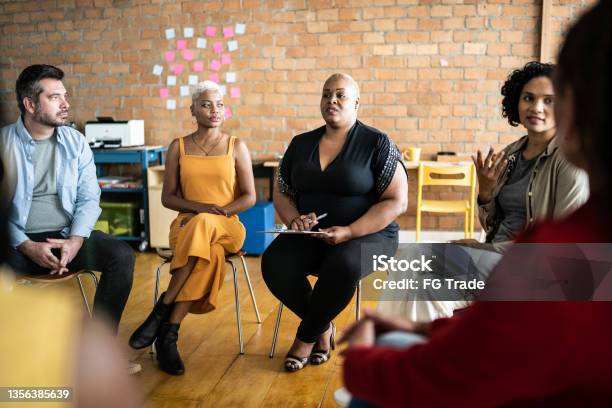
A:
{"points": [[555, 188]]}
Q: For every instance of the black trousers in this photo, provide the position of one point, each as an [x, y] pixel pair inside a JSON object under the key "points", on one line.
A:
{"points": [[113, 258], [288, 261]]}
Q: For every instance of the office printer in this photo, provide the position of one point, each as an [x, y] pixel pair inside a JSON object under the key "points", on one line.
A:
{"points": [[107, 132]]}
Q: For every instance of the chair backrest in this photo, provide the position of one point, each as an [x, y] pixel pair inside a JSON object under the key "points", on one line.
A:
{"points": [[467, 173]]}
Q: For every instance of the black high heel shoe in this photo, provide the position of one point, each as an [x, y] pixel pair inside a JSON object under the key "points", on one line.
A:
{"points": [[318, 357], [147, 332]]}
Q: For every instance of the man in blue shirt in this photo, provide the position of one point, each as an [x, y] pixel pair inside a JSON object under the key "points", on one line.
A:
{"points": [[52, 195]]}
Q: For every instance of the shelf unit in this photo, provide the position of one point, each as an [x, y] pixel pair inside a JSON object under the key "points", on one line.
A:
{"points": [[144, 156]]}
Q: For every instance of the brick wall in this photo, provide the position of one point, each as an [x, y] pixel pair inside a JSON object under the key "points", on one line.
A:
{"points": [[429, 71]]}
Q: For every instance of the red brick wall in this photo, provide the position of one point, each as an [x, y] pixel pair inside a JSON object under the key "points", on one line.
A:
{"points": [[429, 71]]}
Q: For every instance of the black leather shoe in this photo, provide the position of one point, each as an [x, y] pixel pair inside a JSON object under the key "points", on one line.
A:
{"points": [[146, 334], [167, 352]]}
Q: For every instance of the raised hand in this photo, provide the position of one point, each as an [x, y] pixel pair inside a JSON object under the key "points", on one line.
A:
{"points": [[488, 171]]}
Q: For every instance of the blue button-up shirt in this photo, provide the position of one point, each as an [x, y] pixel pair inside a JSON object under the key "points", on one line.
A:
{"points": [[77, 184]]}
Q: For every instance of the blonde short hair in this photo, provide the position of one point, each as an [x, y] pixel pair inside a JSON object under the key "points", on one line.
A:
{"points": [[349, 78], [202, 87]]}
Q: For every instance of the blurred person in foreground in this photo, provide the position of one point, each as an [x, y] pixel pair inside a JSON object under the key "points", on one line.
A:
{"points": [[554, 353]]}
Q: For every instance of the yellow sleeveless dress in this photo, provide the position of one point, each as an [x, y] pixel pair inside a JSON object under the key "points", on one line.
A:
{"points": [[210, 180]]}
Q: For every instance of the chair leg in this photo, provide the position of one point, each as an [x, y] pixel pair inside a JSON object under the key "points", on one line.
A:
{"points": [[358, 311], [83, 295], [275, 335], [237, 306], [248, 279], [156, 295]]}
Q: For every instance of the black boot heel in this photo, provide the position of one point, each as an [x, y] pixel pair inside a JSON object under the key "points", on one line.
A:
{"points": [[147, 332]]}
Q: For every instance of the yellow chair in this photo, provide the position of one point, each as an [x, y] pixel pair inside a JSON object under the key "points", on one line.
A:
{"points": [[467, 179]]}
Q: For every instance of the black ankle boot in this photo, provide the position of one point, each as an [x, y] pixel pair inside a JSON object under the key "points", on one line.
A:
{"points": [[167, 351], [146, 334]]}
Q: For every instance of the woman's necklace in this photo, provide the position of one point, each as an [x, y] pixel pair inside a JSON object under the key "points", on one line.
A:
{"points": [[204, 150]]}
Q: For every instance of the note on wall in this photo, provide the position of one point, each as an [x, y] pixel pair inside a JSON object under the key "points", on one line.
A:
{"points": [[177, 69], [188, 32], [222, 90], [232, 45], [157, 70], [169, 56], [181, 44], [215, 65], [226, 59], [164, 92], [185, 91], [171, 104], [193, 80], [235, 92], [240, 28], [187, 55], [230, 77], [214, 77], [228, 32], [171, 80], [169, 33], [228, 113], [218, 47], [201, 43], [211, 31]]}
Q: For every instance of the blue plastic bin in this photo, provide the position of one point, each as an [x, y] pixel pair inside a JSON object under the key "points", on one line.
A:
{"points": [[257, 218]]}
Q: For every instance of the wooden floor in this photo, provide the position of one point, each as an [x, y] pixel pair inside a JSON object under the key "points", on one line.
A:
{"points": [[216, 374]]}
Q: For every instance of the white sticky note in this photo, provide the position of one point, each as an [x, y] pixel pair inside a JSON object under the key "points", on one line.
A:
{"points": [[201, 42], [157, 70], [239, 29], [232, 45], [170, 33], [222, 90], [184, 91], [171, 80], [188, 32], [230, 77], [193, 80], [170, 104]]}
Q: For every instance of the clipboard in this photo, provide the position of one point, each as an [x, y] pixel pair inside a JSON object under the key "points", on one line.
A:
{"points": [[294, 232]]}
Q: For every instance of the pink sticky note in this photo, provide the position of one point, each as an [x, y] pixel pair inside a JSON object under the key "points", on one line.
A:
{"points": [[214, 77], [164, 92], [211, 31], [169, 56], [226, 59], [177, 69], [198, 66], [187, 55], [228, 113], [235, 92], [218, 47], [443, 62], [215, 65], [181, 44], [228, 32]]}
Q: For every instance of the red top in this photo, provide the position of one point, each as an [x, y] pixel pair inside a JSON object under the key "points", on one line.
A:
{"points": [[503, 353]]}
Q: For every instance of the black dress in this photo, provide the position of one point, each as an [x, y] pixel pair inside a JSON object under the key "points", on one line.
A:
{"points": [[351, 184]]}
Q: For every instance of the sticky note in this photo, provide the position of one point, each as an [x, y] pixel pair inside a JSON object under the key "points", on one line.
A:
{"points": [[214, 77], [226, 59], [201, 43], [228, 32], [215, 65], [218, 47], [188, 32], [211, 31], [177, 69], [198, 66], [169, 33], [171, 104], [157, 70], [181, 44], [171, 80], [184, 91], [240, 28], [222, 90], [443, 62], [232, 45], [228, 113], [169, 56], [235, 92], [230, 77], [164, 92], [187, 55], [193, 80]]}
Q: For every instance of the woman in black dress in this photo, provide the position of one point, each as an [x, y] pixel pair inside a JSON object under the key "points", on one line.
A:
{"points": [[349, 171]]}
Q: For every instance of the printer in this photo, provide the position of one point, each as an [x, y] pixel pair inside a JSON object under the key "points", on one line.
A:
{"points": [[107, 132]]}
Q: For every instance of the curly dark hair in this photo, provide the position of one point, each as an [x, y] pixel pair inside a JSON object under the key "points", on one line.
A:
{"points": [[514, 86], [585, 63]]}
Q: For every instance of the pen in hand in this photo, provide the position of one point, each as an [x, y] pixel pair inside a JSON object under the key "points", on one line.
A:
{"points": [[320, 217]]}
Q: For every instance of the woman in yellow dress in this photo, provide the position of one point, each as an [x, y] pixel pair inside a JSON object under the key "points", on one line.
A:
{"points": [[208, 180]]}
